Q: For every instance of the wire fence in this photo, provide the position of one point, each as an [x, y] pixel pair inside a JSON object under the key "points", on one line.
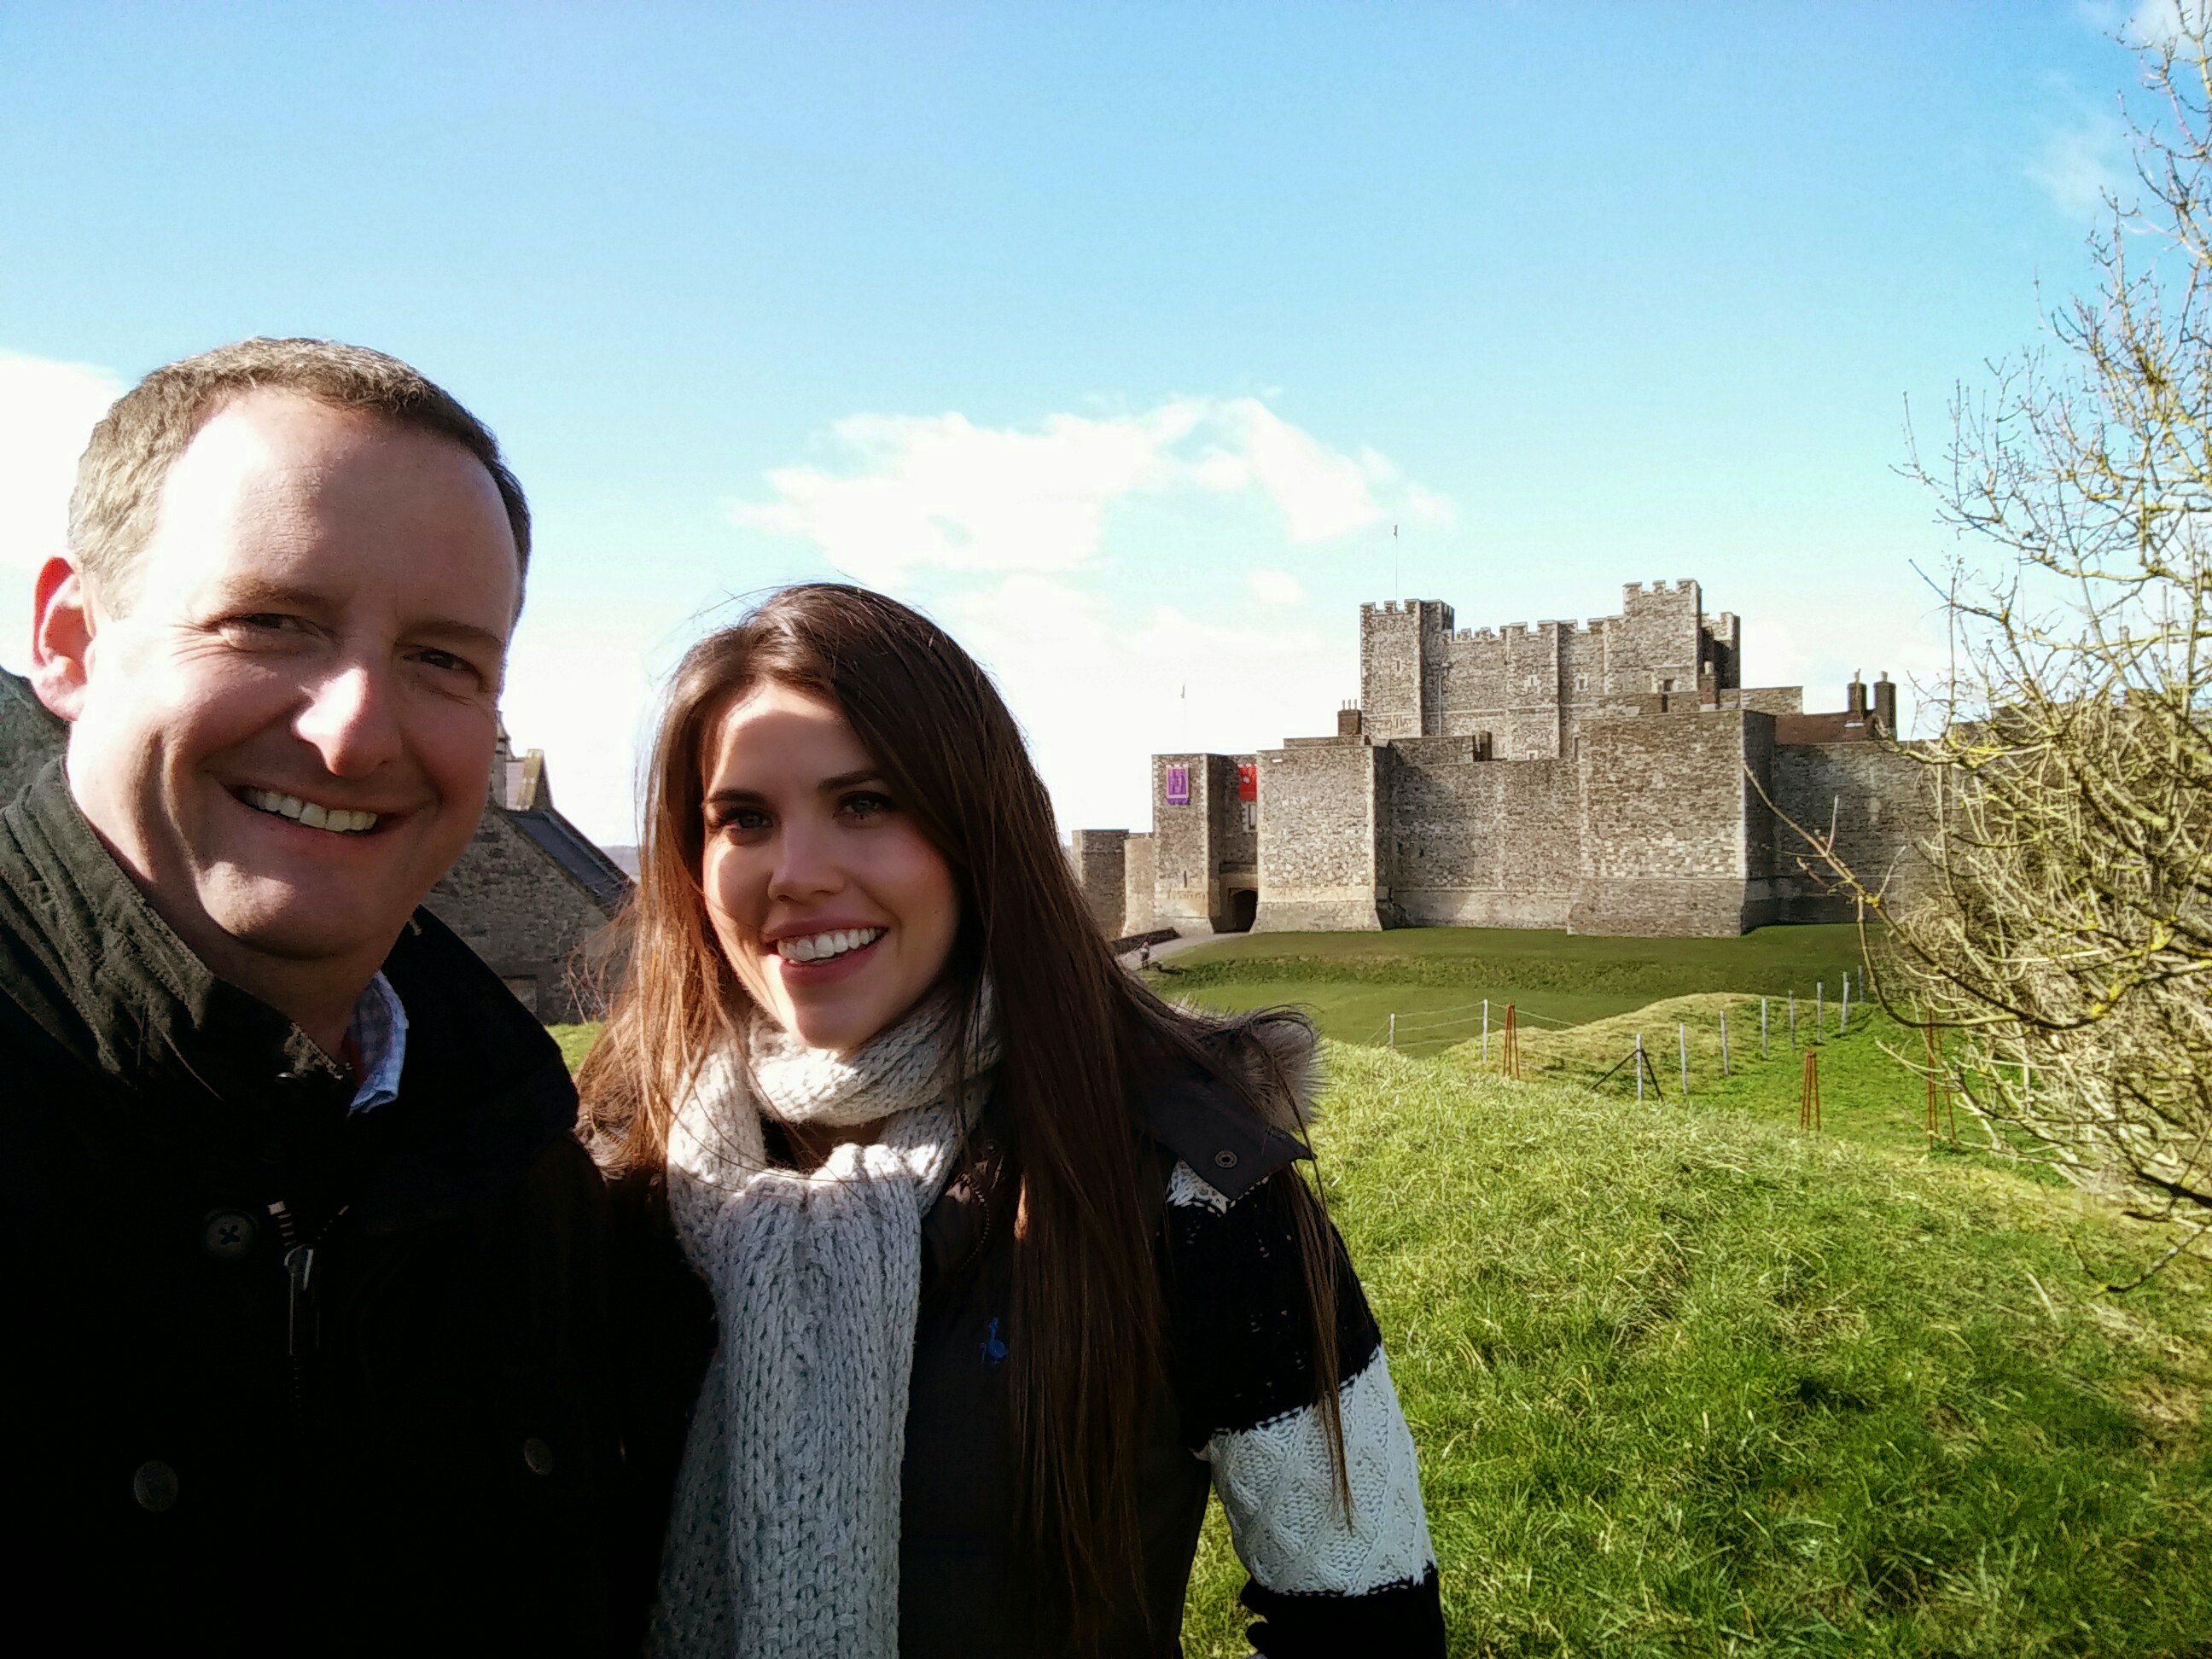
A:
{"points": [[1613, 1054]]}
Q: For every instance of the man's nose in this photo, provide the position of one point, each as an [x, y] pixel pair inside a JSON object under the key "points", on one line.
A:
{"points": [[349, 721]]}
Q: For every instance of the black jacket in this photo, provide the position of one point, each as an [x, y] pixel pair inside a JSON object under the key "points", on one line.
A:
{"points": [[1239, 1355], [401, 1442]]}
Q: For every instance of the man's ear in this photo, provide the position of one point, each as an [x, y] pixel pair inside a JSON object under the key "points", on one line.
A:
{"points": [[61, 637]]}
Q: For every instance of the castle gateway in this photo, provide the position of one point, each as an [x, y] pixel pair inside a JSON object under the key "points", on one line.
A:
{"points": [[1603, 778]]}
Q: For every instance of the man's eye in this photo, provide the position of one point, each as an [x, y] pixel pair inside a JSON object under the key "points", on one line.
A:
{"points": [[268, 622], [446, 661]]}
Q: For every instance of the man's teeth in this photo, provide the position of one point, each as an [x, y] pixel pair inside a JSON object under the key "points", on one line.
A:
{"points": [[339, 819], [819, 947]]}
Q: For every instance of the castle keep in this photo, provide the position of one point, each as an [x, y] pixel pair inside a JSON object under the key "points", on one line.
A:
{"points": [[1602, 777]]}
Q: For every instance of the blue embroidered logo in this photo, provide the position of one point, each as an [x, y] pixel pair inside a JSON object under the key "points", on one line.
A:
{"points": [[993, 1349]]}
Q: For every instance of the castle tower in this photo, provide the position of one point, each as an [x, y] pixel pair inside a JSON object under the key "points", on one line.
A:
{"points": [[1405, 656]]}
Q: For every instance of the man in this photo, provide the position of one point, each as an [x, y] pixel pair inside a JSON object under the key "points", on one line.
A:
{"points": [[305, 1274]]}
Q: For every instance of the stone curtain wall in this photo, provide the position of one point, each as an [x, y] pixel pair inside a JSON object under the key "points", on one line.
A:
{"points": [[1318, 819], [1879, 801], [1139, 915], [1474, 843], [1099, 860], [1664, 831]]}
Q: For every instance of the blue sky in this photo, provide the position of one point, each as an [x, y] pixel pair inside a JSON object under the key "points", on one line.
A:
{"points": [[1117, 336]]}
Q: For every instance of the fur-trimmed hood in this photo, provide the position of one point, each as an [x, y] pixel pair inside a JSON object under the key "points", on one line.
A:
{"points": [[1275, 1053]]}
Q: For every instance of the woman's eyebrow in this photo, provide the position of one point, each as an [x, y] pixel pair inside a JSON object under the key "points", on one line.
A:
{"points": [[827, 785]]}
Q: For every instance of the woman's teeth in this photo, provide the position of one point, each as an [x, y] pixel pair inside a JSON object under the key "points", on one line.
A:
{"points": [[819, 947], [302, 812]]}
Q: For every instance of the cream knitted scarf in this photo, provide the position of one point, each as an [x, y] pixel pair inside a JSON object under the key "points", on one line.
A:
{"points": [[783, 1541]]}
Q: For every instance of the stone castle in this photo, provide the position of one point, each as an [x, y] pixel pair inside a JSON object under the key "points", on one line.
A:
{"points": [[531, 894], [1603, 777]]}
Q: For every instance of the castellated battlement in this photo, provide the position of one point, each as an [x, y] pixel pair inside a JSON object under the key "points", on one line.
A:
{"points": [[1607, 776]]}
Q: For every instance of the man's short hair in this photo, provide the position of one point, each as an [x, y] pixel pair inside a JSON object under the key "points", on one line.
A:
{"points": [[119, 479]]}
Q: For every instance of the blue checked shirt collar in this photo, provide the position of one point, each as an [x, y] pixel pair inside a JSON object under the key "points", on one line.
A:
{"points": [[380, 1031]]}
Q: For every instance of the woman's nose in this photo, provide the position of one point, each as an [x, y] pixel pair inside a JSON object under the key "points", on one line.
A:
{"points": [[806, 864]]}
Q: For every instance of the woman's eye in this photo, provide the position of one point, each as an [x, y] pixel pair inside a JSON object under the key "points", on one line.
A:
{"points": [[741, 820], [865, 806]]}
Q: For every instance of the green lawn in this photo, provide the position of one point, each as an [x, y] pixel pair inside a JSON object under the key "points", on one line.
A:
{"points": [[1685, 1382], [1435, 979]]}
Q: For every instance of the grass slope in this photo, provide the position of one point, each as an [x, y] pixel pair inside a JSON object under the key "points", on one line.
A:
{"points": [[1434, 978], [1688, 1382], [1867, 1094]]}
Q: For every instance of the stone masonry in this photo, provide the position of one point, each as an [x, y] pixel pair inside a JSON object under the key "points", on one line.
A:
{"points": [[1603, 777]]}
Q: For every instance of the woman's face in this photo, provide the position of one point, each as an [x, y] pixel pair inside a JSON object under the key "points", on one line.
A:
{"points": [[835, 912]]}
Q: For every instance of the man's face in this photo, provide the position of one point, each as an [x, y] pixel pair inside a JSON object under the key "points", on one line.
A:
{"points": [[285, 730]]}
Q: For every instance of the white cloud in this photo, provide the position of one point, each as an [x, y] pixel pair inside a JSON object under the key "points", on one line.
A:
{"points": [[2162, 22], [47, 410], [912, 493], [2083, 165], [1098, 692], [1275, 587]]}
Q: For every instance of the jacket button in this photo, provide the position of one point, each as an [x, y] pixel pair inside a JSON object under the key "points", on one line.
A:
{"points": [[226, 1235], [1225, 1159], [155, 1486], [536, 1455]]}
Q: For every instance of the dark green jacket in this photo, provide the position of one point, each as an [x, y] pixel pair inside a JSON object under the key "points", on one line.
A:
{"points": [[403, 1442]]}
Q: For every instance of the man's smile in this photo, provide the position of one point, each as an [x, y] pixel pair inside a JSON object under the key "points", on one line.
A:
{"points": [[340, 820]]}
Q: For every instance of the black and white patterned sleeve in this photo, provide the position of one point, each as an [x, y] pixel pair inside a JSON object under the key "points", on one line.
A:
{"points": [[1323, 1581]]}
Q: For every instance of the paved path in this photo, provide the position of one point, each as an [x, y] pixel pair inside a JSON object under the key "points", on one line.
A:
{"points": [[1173, 946]]}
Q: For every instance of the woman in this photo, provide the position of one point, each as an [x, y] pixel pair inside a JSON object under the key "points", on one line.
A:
{"points": [[1005, 1255]]}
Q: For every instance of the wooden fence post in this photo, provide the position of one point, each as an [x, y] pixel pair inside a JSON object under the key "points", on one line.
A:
{"points": [[1510, 1047], [1639, 1065], [1724, 1061], [1808, 1098], [1929, 1033], [1682, 1039]]}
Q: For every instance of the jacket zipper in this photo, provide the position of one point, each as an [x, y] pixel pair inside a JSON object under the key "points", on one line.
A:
{"points": [[301, 1329]]}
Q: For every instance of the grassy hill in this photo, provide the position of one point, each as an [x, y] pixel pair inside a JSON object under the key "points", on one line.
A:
{"points": [[1435, 979], [1685, 1382]]}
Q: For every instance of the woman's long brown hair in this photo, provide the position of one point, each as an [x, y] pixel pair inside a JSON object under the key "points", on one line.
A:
{"points": [[1081, 1041]]}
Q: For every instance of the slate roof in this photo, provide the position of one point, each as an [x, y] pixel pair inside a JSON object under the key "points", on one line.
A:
{"points": [[569, 847]]}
